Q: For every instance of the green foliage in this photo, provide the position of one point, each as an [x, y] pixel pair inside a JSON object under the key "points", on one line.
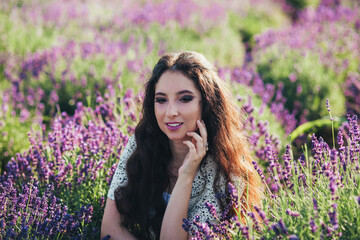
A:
{"points": [[77, 78], [319, 199], [93, 191], [220, 44], [297, 4], [20, 38], [275, 127], [230, 52], [313, 85], [13, 136], [255, 21], [300, 200], [314, 126], [81, 175]]}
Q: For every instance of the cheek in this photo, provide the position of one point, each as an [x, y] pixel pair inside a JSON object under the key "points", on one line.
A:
{"points": [[194, 115], [158, 109], [198, 112]]}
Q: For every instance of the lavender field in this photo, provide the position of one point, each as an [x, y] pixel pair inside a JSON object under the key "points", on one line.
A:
{"points": [[71, 77]]}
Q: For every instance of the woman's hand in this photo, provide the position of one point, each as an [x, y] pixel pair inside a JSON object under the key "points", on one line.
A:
{"points": [[197, 151]]}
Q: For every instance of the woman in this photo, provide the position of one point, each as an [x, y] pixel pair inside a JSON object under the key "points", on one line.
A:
{"points": [[187, 146]]}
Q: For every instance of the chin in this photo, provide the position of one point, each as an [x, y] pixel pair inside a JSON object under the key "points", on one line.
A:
{"points": [[176, 137]]}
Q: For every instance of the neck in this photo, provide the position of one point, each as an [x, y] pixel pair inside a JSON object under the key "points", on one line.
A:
{"points": [[179, 151]]}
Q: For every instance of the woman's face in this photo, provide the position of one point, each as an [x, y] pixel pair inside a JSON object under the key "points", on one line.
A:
{"points": [[177, 105]]}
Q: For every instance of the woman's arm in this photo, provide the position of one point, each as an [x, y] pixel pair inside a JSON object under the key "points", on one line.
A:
{"points": [[177, 208], [111, 220], [111, 223]]}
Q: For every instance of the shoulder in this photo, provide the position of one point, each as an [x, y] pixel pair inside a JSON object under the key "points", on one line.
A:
{"points": [[126, 153], [209, 167], [131, 144], [208, 172], [120, 177], [206, 176], [203, 190]]}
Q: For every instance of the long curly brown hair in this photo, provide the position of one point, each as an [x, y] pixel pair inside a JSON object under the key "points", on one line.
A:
{"points": [[140, 202]]}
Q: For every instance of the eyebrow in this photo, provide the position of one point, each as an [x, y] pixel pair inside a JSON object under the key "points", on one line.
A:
{"points": [[179, 93]]}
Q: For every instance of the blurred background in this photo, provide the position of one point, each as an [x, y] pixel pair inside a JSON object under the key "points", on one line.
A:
{"points": [[287, 56]]}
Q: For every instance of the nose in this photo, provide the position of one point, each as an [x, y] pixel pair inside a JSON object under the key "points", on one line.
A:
{"points": [[171, 110]]}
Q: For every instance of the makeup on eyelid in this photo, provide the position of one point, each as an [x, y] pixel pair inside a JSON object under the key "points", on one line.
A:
{"points": [[184, 99]]}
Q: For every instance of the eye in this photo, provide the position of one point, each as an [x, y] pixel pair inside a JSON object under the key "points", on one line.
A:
{"points": [[186, 98], [160, 100]]}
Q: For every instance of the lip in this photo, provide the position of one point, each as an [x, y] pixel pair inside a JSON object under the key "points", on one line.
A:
{"points": [[173, 127]]}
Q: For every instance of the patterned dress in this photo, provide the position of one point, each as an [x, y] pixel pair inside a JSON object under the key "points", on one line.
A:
{"points": [[202, 190]]}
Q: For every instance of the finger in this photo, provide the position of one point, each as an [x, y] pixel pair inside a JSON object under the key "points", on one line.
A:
{"points": [[191, 147], [194, 156], [202, 129], [200, 145], [203, 133], [199, 141], [195, 136]]}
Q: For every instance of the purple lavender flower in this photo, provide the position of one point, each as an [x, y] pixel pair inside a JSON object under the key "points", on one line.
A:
{"points": [[333, 185], [333, 217], [258, 169], [340, 141], [286, 173], [266, 92], [311, 22], [313, 226], [276, 228], [352, 92], [292, 213], [211, 209], [45, 213], [107, 237], [282, 226], [255, 221], [245, 231], [328, 105], [188, 227], [234, 199], [262, 215], [293, 237], [315, 204]]}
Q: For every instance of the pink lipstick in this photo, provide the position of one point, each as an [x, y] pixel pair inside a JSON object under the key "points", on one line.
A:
{"points": [[173, 125]]}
